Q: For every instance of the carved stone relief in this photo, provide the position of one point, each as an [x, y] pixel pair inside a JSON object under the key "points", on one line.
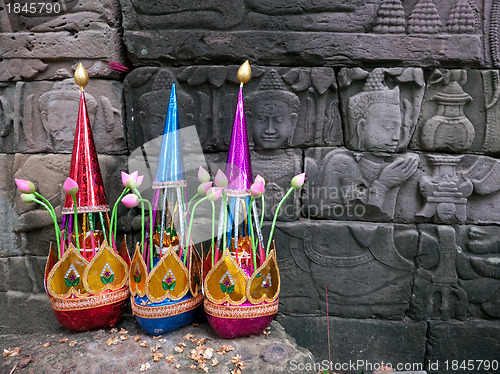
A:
{"points": [[285, 107], [339, 32], [39, 116], [457, 273], [365, 272], [348, 185], [380, 107], [46, 43], [436, 293]]}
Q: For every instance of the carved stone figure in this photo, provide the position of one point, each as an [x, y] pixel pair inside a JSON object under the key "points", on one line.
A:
{"points": [[478, 268], [271, 112], [55, 119], [437, 293], [365, 273], [376, 116], [491, 86]]}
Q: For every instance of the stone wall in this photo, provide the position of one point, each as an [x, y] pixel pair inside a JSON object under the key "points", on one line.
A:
{"points": [[391, 108]]}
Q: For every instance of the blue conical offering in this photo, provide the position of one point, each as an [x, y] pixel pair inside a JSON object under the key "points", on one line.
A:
{"points": [[166, 281]]}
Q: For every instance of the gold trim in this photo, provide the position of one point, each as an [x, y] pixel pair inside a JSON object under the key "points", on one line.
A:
{"points": [[71, 291], [89, 302], [135, 290], [272, 255], [152, 274], [195, 263], [151, 312], [241, 312], [124, 282], [226, 298]]}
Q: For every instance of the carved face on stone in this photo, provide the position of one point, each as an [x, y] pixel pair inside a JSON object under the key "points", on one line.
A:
{"points": [[380, 130], [272, 123], [59, 110]]}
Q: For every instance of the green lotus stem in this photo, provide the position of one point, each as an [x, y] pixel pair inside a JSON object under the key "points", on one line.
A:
{"points": [[275, 218], [114, 218], [263, 210], [190, 202], [49, 205], [254, 249], [77, 237], [213, 232], [50, 209], [101, 218], [142, 201], [191, 225], [224, 235]]}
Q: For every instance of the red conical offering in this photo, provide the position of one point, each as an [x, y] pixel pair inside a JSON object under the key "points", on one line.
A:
{"points": [[85, 168]]}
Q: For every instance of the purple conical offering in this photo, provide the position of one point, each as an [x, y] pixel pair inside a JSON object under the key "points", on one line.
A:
{"points": [[239, 168]]}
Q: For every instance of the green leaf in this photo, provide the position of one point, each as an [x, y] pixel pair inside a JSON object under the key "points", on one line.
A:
{"points": [[76, 281], [68, 282], [105, 280], [223, 288], [258, 275], [164, 285], [137, 278], [171, 286], [230, 288]]}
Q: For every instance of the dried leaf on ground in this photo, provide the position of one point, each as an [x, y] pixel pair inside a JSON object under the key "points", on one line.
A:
{"points": [[11, 352], [125, 337], [145, 366], [137, 338], [46, 345], [144, 344], [72, 343], [112, 341], [170, 359], [63, 340], [157, 357], [122, 331]]}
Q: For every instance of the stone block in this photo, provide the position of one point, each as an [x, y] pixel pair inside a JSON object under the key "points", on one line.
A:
{"points": [[26, 313], [26, 273], [47, 44], [41, 116], [284, 107], [48, 172], [365, 273], [9, 242], [54, 55], [359, 343], [463, 343], [339, 33]]}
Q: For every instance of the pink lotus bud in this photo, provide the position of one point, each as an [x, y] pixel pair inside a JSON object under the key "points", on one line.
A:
{"points": [[259, 178], [298, 180], [214, 193], [28, 197], [132, 180], [130, 200], [25, 186], [70, 186], [221, 179], [258, 188], [203, 175], [203, 188]]}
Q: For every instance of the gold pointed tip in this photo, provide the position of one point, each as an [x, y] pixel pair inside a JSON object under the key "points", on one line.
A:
{"points": [[81, 76], [244, 72]]}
